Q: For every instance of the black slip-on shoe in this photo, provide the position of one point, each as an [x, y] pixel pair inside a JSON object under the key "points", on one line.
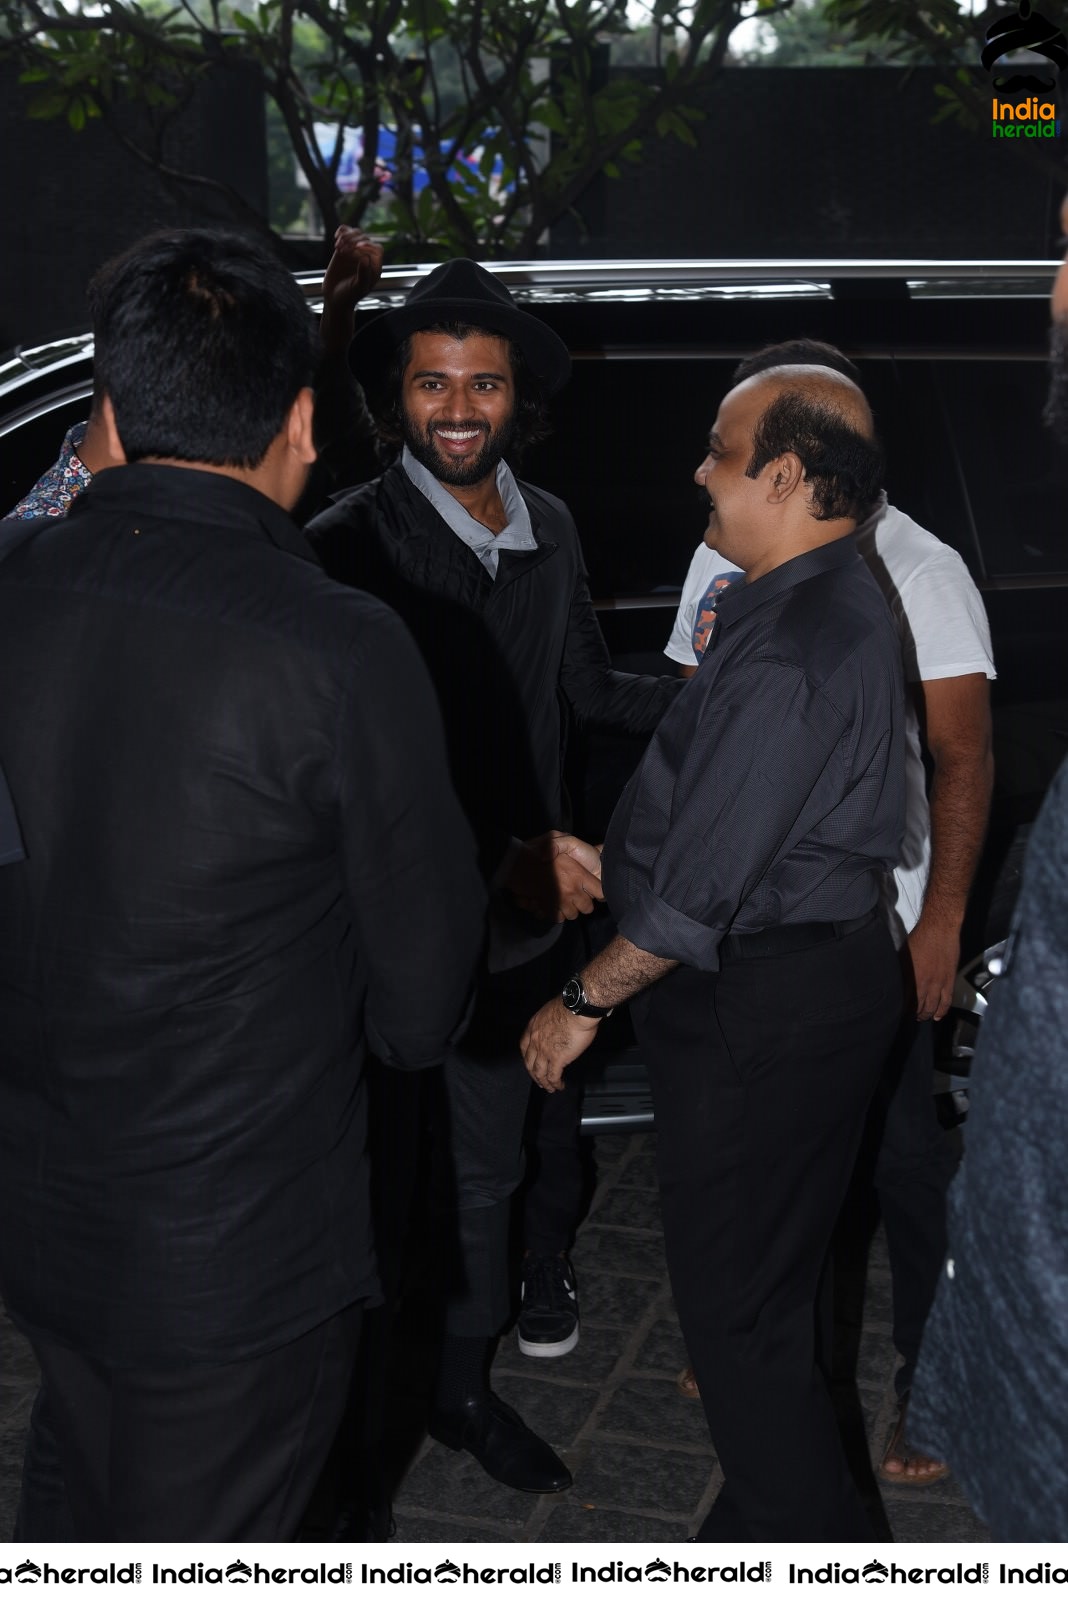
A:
{"points": [[502, 1444]]}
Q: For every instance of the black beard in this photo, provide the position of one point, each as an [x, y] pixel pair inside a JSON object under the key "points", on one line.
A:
{"points": [[1055, 412], [460, 475]]}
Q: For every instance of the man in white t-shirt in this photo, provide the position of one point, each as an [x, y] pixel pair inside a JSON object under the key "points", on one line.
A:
{"points": [[945, 643]]}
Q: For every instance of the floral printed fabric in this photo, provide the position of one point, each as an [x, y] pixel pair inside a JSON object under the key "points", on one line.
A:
{"points": [[51, 495]]}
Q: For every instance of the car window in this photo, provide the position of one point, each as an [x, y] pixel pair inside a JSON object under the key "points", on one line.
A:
{"points": [[1015, 474]]}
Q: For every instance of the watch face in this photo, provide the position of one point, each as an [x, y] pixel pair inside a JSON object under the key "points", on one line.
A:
{"points": [[572, 993]]}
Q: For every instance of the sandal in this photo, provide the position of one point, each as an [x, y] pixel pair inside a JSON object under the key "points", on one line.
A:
{"points": [[925, 1469], [686, 1384]]}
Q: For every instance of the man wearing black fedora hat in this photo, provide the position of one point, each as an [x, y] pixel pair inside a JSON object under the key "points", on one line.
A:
{"points": [[488, 573]]}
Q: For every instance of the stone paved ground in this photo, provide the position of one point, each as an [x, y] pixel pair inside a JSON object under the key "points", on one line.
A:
{"points": [[643, 1465]]}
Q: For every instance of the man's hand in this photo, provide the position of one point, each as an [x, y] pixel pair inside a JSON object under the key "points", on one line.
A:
{"points": [[355, 267], [935, 955], [554, 843], [556, 877], [553, 1038]]}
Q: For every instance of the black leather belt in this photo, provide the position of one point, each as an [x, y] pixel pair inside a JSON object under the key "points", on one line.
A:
{"points": [[792, 936]]}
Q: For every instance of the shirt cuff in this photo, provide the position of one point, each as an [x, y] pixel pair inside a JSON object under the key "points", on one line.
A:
{"points": [[652, 925]]}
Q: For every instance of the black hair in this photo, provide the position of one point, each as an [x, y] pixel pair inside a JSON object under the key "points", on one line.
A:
{"points": [[384, 391], [796, 353], [843, 466], [203, 341]]}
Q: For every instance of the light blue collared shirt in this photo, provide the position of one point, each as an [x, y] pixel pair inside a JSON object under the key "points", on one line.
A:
{"points": [[517, 533]]}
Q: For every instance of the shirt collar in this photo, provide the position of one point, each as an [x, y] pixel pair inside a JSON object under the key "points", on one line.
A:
{"points": [[742, 598], [185, 494], [517, 533], [72, 443], [53, 494]]}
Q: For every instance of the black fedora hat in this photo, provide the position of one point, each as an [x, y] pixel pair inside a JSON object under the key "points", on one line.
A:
{"points": [[462, 291]]}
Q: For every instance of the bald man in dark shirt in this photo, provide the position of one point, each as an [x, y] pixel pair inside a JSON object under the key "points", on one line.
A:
{"points": [[744, 865]]}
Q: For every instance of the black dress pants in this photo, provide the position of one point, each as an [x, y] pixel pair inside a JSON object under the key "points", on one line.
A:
{"points": [[761, 1077], [198, 1453], [480, 1146], [552, 1198]]}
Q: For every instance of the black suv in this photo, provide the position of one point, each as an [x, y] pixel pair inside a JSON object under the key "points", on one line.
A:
{"points": [[953, 359]]}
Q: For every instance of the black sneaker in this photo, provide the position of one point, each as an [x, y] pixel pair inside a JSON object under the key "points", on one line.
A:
{"points": [[549, 1317]]}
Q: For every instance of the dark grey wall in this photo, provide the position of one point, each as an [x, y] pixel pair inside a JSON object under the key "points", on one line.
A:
{"points": [[70, 200], [816, 161]]}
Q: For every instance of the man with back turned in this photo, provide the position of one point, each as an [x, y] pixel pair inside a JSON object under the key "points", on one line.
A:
{"points": [[224, 837]]}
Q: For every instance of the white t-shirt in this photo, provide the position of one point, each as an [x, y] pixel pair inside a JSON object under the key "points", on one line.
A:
{"points": [[944, 633]]}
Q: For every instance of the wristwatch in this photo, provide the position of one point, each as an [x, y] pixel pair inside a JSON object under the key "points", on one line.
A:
{"points": [[574, 997]]}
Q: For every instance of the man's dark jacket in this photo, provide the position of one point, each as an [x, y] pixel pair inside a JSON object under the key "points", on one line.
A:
{"points": [[243, 856], [507, 655]]}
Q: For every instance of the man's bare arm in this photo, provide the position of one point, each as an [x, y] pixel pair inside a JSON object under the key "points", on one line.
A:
{"points": [[956, 717], [352, 272], [555, 1037]]}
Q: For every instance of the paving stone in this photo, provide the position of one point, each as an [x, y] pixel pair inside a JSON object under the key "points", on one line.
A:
{"points": [[577, 1523], [878, 1299], [653, 1409], [18, 1365], [643, 1478], [628, 1208], [611, 1154], [12, 1447], [947, 1521], [555, 1412], [15, 1405], [447, 1481], [414, 1529], [876, 1360], [593, 1359], [664, 1350], [606, 1298], [631, 1255], [640, 1171], [878, 1253], [871, 1405]]}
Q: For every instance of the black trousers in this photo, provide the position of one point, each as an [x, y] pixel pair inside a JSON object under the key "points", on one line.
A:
{"points": [[554, 1187], [480, 1145], [761, 1078], [197, 1453]]}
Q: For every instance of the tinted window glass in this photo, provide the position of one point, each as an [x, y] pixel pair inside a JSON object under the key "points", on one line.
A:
{"points": [[1016, 475]]}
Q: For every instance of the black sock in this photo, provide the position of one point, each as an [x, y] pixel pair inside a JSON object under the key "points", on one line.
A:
{"points": [[464, 1370]]}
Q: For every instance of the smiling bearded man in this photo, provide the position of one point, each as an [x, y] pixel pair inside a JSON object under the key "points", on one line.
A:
{"points": [[488, 574]]}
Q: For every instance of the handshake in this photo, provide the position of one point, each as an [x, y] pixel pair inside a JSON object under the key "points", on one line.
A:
{"points": [[556, 877]]}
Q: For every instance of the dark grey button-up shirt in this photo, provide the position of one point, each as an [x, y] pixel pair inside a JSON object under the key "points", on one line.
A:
{"points": [[773, 789]]}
